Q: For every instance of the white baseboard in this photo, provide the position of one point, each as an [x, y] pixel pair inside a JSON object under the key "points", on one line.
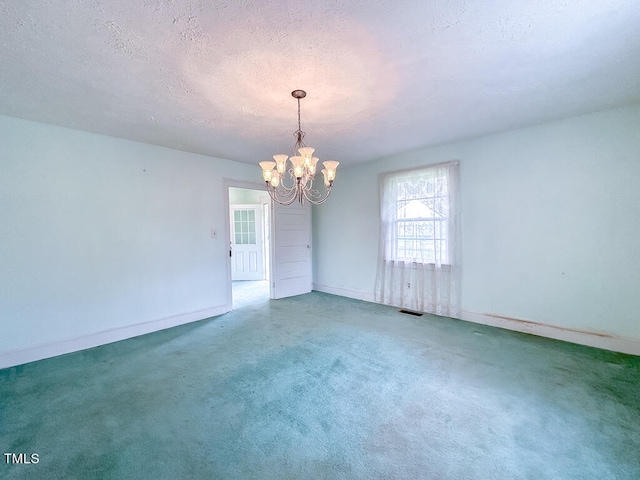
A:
{"points": [[39, 352], [345, 292], [581, 337]]}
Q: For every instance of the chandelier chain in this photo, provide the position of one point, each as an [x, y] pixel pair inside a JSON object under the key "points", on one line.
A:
{"points": [[299, 134]]}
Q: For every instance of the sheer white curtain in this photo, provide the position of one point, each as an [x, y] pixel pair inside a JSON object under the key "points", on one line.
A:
{"points": [[419, 264]]}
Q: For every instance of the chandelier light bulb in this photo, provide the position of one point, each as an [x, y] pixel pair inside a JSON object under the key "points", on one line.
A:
{"points": [[331, 166], [307, 153], [275, 179], [326, 180], [298, 166], [266, 170], [312, 166], [281, 162]]}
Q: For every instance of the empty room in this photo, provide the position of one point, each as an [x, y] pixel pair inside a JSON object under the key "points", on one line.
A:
{"points": [[319, 239]]}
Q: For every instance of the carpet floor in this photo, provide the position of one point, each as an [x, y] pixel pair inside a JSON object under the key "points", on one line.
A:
{"points": [[324, 387], [249, 292]]}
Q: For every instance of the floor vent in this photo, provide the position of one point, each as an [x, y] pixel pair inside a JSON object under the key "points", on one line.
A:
{"points": [[409, 312]]}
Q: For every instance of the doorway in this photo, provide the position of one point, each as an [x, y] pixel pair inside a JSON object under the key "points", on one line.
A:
{"points": [[250, 248]]}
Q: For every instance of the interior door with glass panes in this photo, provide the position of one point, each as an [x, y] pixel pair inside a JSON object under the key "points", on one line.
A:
{"points": [[247, 262]]}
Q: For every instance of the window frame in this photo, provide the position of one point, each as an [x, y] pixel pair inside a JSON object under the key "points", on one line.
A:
{"points": [[396, 248]]}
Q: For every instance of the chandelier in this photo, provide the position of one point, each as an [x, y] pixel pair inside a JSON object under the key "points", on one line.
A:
{"points": [[301, 173]]}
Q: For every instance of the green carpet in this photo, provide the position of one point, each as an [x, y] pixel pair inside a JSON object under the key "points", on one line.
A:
{"points": [[324, 387]]}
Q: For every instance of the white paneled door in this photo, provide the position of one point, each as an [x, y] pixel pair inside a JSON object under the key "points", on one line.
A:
{"points": [[247, 260], [291, 259]]}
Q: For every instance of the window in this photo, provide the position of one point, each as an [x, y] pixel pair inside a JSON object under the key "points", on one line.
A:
{"points": [[421, 218], [244, 226], [419, 262], [416, 211]]}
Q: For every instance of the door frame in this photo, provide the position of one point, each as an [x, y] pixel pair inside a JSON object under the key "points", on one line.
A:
{"points": [[230, 182]]}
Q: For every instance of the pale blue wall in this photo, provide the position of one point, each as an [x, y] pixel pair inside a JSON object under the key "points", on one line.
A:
{"points": [[551, 223], [98, 233]]}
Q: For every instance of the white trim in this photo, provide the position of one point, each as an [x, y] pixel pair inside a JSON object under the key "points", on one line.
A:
{"points": [[228, 183], [39, 352], [344, 292], [590, 338]]}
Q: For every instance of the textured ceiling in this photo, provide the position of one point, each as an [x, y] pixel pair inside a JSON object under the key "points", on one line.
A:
{"points": [[381, 76]]}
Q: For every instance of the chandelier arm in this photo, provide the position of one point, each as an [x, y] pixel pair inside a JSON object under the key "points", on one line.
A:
{"points": [[289, 195], [292, 187], [286, 190], [312, 193], [273, 193], [318, 202], [283, 194]]}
